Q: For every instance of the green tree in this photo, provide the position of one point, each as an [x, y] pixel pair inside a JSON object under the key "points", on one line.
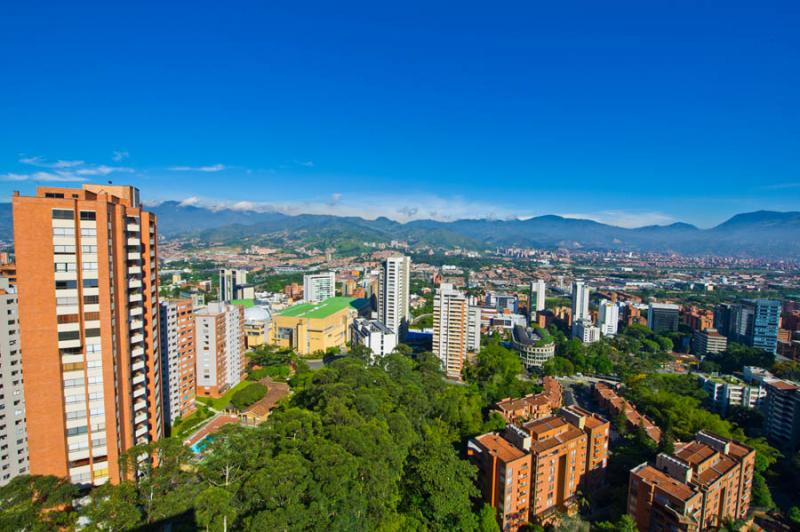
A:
{"points": [[487, 519], [248, 395], [214, 509], [114, 508], [37, 503]]}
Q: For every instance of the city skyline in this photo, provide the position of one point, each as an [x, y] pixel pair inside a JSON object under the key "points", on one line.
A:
{"points": [[630, 116]]}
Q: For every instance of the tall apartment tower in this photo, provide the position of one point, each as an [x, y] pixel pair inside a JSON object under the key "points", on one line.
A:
{"points": [[177, 358], [319, 286], [755, 322], [782, 414], [220, 346], [87, 282], [14, 449], [393, 289], [456, 329], [580, 301], [608, 318], [228, 281], [537, 297]]}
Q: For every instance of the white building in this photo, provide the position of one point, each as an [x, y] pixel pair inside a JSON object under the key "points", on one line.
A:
{"points": [[220, 346], [13, 439], [608, 317], [228, 281], [538, 290], [373, 334], [393, 288], [585, 331], [454, 328], [729, 391], [580, 301], [319, 286]]}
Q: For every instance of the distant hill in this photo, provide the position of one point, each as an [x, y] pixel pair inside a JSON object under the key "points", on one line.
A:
{"points": [[755, 234]]}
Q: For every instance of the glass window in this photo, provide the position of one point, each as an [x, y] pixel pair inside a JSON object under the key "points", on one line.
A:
{"points": [[63, 214]]}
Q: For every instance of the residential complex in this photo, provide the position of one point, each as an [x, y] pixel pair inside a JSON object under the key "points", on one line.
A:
{"points": [[319, 286], [608, 317], [782, 414], [580, 301], [609, 401], [727, 391], [393, 293], [537, 298], [13, 438], [584, 331], [314, 328], [178, 358], [379, 338], [88, 314], [708, 341], [529, 472], [701, 485], [454, 326], [755, 322], [220, 341], [533, 406]]}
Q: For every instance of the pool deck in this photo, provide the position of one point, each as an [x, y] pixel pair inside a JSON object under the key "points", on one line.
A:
{"points": [[212, 426]]}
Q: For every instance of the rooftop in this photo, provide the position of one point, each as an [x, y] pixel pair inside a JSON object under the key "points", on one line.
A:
{"points": [[500, 447], [669, 485], [246, 303], [323, 309]]}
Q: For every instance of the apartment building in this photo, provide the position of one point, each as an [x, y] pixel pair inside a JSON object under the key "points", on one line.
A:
{"points": [[755, 322], [608, 317], [393, 293], [529, 473], [708, 341], [584, 331], [319, 286], [782, 414], [702, 484], [89, 328], [178, 358], [456, 329], [727, 391], [663, 317], [532, 406], [220, 347], [538, 294], [580, 301], [231, 282], [13, 438], [609, 401]]}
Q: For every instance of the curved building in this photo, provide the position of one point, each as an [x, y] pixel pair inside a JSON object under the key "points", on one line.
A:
{"points": [[534, 350]]}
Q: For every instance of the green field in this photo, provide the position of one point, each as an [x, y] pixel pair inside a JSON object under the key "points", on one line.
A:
{"points": [[225, 400], [323, 309]]}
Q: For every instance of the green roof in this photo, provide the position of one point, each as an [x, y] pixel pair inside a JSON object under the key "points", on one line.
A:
{"points": [[323, 309], [246, 303]]}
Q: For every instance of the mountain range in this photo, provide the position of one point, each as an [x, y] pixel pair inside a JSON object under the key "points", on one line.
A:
{"points": [[756, 234]]}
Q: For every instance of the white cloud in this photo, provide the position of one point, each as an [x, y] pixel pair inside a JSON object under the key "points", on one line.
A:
{"points": [[307, 164], [190, 202], [209, 168], [118, 155], [58, 176], [336, 197], [626, 219], [101, 170], [41, 162]]}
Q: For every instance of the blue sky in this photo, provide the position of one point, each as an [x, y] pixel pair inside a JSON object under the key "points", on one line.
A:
{"points": [[625, 112]]}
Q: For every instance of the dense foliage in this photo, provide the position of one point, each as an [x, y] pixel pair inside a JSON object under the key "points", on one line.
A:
{"points": [[248, 395]]}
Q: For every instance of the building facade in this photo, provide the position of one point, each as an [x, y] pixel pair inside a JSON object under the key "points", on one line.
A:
{"points": [[755, 322], [13, 438], [451, 329], [608, 317], [584, 331], [663, 317], [314, 328], [533, 347], [229, 282], [178, 358], [220, 347], [379, 338], [319, 286], [701, 485], [580, 301], [393, 293], [88, 310], [782, 414], [536, 302], [708, 341]]}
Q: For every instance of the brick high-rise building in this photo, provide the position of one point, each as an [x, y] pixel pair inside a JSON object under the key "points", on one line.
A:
{"points": [[220, 341], [178, 358], [88, 295], [704, 483], [456, 329]]}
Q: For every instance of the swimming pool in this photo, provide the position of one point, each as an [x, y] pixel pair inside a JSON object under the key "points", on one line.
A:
{"points": [[200, 445]]}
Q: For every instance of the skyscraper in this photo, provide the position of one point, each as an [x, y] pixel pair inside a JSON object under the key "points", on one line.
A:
{"points": [[537, 297], [88, 296], [580, 301], [456, 329], [608, 317], [14, 450], [219, 336], [319, 286], [755, 322], [393, 293], [662, 317], [177, 358], [229, 280]]}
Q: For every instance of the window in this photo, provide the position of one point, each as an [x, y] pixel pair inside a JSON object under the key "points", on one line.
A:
{"points": [[63, 250], [70, 335], [68, 318], [88, 232], [90, 283], [74, 431], [66, 285], [88, 215], [53, 195], [91, 333], [89, 249], [91, 300], [65, 267], [66, 301], [63, 231], [91, 316], [63, 214]]}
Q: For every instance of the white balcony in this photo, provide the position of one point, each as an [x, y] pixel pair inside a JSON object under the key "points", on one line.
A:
{"points": [[135, 311], [140, 405], [133, 228], [138, 392], [133, 298], [141, 431], [134, 255], [134, 242], [137, 352], [138, 365], [136, 324], [134, 283], [134, 269], [139, 379], [140, 418], [136, 338]]}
